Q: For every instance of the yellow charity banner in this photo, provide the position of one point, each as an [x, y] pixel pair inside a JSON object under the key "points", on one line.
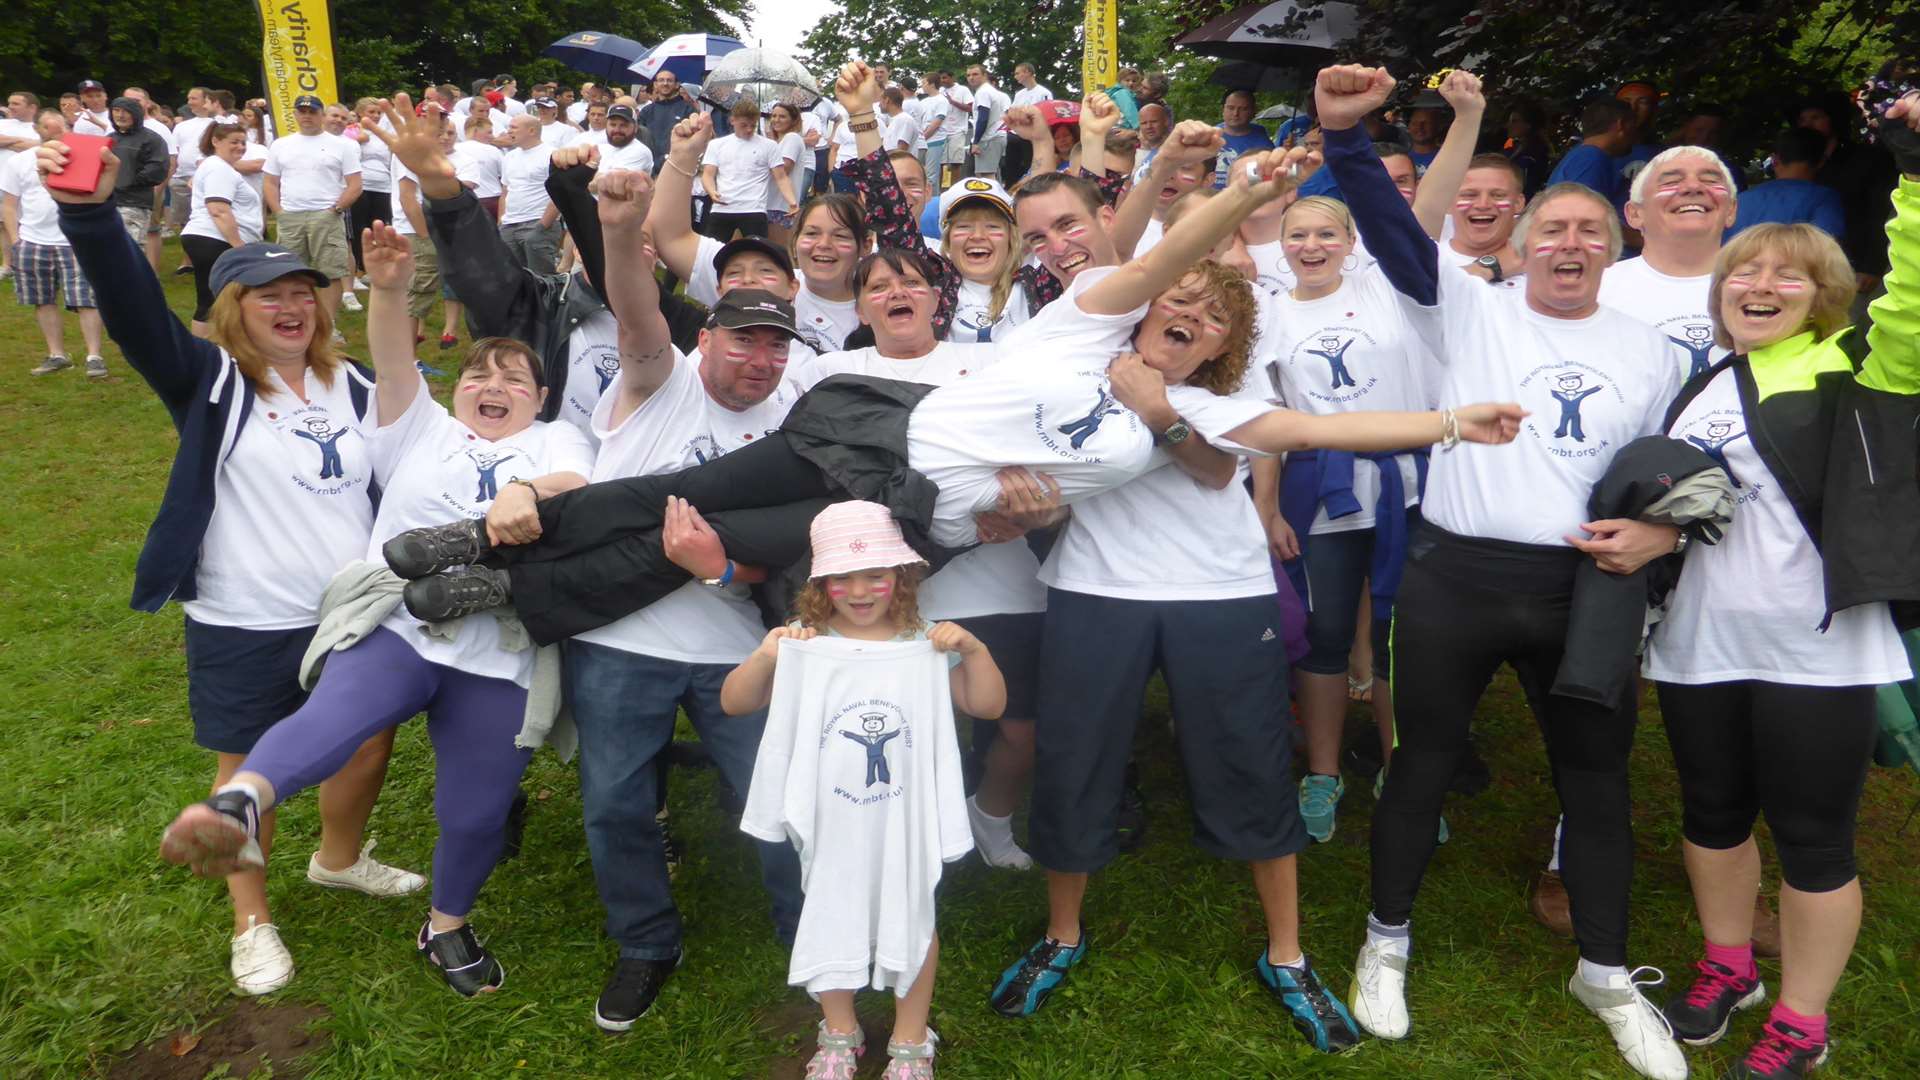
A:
{"points": [[1100, 63], [296, 55]]}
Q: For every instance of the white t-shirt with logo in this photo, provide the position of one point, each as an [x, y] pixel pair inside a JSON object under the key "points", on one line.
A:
{"points": [[1592, 385], [742, 172], [678, 427], [433, 469], [290, 507], [523, 173], [1675, 306], [593, 360], [992, 579], [479, 166], [1142, 540], [972, 313], [215, 179], [1272, 271], [1351, 351], [859, 769], [1750, 606], [313, 169], [39, 214]]}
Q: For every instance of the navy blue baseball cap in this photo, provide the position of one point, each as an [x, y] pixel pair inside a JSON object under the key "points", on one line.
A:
{"points": [[258, 264], [308, 101]]}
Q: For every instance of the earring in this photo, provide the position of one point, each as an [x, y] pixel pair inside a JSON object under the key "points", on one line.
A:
{"points": [[1351, 262]]}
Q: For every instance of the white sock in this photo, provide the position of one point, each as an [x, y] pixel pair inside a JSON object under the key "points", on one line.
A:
{"points": [[1553, 861], [1600, 974], [1397, 940], [248, 790], [1297, 963], [997, 831]]}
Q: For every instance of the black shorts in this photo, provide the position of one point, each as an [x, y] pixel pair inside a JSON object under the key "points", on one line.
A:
{"points": [[1225, 664], [241, 682]]}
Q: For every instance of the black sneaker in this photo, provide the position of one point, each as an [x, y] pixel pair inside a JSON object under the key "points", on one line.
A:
{"points": [[630, 991], [465, 963], [419, 552], [216, 836], [439, 597], [1701, 1015]]}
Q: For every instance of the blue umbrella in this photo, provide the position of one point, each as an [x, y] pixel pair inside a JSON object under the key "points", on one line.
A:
{"points": [[688, 56], [604, 56]]}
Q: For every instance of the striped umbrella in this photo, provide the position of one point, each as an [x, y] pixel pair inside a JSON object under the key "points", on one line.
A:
{"points": [[688, 56]]}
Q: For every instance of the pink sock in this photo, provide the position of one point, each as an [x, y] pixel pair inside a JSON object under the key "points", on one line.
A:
{"points": [[1814, 1026], [1735, 958]]}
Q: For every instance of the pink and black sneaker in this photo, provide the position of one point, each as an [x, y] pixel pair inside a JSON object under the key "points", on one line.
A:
{"points": [[1701, 1015], [1784, 1052]]}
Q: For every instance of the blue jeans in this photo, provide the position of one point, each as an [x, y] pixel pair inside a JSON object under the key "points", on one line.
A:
{"points": [[623, 704]]}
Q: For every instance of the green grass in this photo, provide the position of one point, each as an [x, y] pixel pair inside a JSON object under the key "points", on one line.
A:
{"points": [[103, 948]]}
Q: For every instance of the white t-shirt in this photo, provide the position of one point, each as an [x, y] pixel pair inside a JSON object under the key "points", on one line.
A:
{"points": [[313, 169], [186, 141], [972, 319], [1049, 409], [39, 214], [1032, 95], [87, 122], [992, 579], [634, 155], [1675, 306], [915, 111], [818, 319], [1592, 385], [1750, 606], [901, 128], [597, 138], [1164, 535], [790, 151], [14, 129], [290, 507], [557, 135], [957, 120], [593, 360], [400, 198], [523, 173], [376, 165], [577, 113], [257, 179], [432, 469], [859, 769], [479, 164], [216, 179], [165, 133], [1149, 237], [681, 426], [1351, 351], [934, 109], [997, 104], [512, 107], [1272, 271], [741, 172]]}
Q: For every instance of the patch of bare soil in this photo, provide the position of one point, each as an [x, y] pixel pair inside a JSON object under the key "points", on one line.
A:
{"points": [[249, 1037]]}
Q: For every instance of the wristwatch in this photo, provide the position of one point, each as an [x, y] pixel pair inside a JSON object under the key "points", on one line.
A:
{"points": [[723, 580], [1175, 434], [1492, 263], [1680, 544]]}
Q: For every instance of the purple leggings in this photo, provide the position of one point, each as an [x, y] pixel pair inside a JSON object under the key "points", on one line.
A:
{"points": [[472, 720]]}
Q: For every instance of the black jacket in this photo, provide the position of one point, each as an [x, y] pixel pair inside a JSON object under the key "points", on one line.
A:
{"points": [[1610, 610], [143, 158], [657, 119]]}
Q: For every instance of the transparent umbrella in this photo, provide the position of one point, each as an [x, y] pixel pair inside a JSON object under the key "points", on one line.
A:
{"points": [[771, 77]]}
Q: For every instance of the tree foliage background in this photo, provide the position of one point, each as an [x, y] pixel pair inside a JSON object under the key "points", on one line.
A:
{"points": [[380, 46]]}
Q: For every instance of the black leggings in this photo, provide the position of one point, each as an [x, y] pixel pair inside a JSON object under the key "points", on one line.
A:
{"points": [[370, 207], [599, 556], [1797, 753], [201, 252], [1465, 606]]}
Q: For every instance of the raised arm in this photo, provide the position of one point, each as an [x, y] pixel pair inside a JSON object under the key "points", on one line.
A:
{"points": [[132, 305], [389, 260], [570, 175], [670, 219], [1144, 278], [1344, 94], [646, 350], [1893, 359], [858, 91], [1026, 122], [1188, 144], [1442, 180], [1099, 115]]}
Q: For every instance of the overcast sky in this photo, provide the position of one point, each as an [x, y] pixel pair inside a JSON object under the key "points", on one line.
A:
{"points": [[780, 24]]}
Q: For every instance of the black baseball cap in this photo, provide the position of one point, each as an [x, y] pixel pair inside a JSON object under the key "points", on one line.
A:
{"points": [[259, 263], [308, 101], [545, 103], [621, 112], [741, 309], [91, 84], [752, 243]]}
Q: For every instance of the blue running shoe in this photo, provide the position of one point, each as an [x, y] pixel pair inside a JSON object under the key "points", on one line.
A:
{"points": [[1024, 987], [1319, 798], [1319, 1016]]}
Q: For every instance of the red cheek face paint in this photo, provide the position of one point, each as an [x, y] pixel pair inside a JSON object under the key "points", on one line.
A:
{"points": [[1596, 247], [1463, 204], [881, 589], [1544, 249], [1790, 286], [1503, 204], [519, 391], [837, 592]]}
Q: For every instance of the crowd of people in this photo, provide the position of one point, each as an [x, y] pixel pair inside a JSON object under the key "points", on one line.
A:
{"points": [[839, 425]]}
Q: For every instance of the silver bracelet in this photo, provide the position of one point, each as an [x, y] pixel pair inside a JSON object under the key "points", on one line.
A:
{"points": [[681, 169], [1449, 429]]}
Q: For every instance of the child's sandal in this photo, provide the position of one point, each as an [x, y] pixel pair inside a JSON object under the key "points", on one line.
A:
{"points": [[838, 1055], [911, 1061]]}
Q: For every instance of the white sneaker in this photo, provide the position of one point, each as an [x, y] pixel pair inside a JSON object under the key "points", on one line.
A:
{"points": [[261, 964], [359, 284], [1639, 1028], [1379, 997], [350, 302], [339, 339], [993, 837], [366, 875]]}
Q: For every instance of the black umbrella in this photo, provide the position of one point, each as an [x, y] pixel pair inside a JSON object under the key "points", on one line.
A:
{"points": [[604, 56], [1265, 34]]}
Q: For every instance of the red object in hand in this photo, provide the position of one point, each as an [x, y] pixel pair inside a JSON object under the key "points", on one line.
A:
{"points": [[82, 173]]}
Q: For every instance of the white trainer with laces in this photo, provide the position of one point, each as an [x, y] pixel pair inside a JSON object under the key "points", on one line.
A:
{"points": [[366, 875], [1379, 998], [1639, 1028], [261, 963], [350, 302]]}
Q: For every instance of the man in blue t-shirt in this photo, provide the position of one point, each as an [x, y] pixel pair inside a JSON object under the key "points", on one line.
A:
{"points": [[1792, 196], [1243, 136], [1605, 132]]}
